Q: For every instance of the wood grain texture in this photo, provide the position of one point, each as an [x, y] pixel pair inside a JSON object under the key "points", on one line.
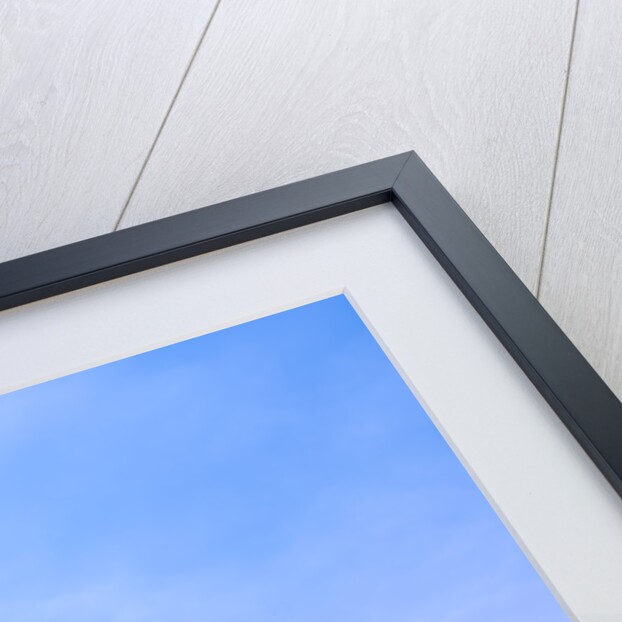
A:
{"points": [[582, 275], [282, 91], [84, 87]]}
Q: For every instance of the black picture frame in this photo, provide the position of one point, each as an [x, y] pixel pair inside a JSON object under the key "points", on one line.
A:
{"points": [[572, 388]]}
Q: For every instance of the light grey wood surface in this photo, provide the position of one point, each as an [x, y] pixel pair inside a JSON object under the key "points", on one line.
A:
{"points": [[281, 91], [582, 271], [84, 87]]}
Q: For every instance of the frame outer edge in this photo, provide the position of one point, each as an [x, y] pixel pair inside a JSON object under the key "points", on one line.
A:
{"points": [[113, 255], [573, 389]]}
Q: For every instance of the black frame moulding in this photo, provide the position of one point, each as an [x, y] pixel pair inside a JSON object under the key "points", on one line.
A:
{"points": [[581, 399]]}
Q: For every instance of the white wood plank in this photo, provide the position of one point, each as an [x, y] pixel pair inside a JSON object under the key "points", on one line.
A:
{"points": [[281, 91], [582, 275], [84, 87]]}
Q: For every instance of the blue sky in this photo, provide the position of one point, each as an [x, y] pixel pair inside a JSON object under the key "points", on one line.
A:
{"points": [[275, 471]]}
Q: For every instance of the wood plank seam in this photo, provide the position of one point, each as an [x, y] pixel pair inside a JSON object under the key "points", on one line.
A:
{"points": [[167, 115], [547, 218]]}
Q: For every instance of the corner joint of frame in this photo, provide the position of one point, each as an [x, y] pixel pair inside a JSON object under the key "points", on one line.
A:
{"points": [[408, 155]]}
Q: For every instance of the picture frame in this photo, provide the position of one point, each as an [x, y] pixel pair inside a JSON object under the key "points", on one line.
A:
{"points": [[530, 420], [575, 392]]}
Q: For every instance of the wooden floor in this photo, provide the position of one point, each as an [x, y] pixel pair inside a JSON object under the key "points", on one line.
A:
{"points": [[113, 114]]}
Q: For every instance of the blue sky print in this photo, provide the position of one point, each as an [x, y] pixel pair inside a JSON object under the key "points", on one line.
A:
{"points": [[277, 471]]}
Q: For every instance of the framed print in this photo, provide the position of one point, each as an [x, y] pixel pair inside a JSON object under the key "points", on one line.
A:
{"points": [[511, 400]]}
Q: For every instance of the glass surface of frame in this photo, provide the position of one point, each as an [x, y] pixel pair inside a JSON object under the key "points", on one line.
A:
{"points": [[275, 470], [548, 493]]}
